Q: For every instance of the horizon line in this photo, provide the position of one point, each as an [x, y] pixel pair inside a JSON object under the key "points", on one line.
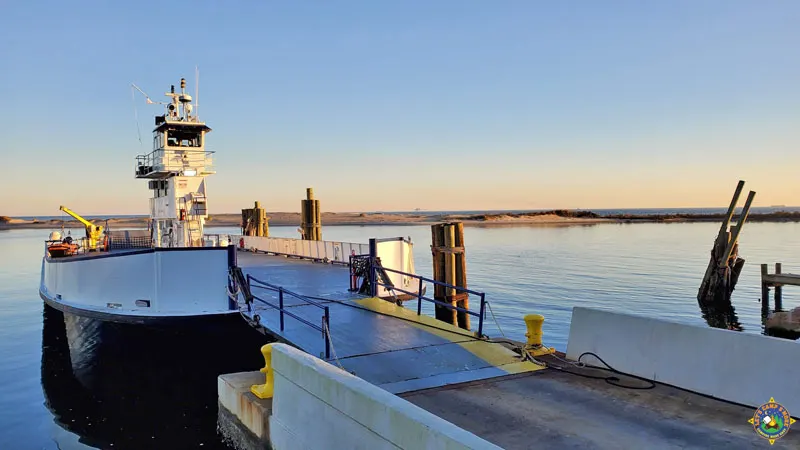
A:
{"points": [[478, 211]]}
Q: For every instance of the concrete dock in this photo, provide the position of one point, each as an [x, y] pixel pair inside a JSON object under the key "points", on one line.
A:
{"points": [[401, 380], [554, 409]]}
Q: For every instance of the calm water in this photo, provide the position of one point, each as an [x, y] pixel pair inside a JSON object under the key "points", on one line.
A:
{"points": [[157, 389]]}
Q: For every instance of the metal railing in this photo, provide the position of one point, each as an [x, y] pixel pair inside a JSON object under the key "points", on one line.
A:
{"points": [[163, 160], [332, 252], [374, 273], [129, 242], [253, 282]]}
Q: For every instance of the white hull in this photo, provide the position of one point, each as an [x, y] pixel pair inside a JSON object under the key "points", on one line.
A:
{"points": [[149, 285]]}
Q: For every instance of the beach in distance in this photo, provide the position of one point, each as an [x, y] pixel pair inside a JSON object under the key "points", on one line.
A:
{"points": [[552, 217]]}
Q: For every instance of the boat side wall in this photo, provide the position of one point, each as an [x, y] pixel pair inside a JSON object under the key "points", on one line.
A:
{"points": [[332, 250], [316, 405], [738, 367], [395, 253], [175, 282]]}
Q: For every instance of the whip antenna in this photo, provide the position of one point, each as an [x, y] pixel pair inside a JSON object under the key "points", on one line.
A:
{"points": [[135, 111], [136, 114], [196, 92]]}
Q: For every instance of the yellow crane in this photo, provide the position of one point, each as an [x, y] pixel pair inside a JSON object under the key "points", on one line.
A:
{"points": [[94, 233]]}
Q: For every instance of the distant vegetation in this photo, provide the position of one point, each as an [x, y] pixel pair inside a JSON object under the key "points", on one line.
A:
{"points": [[778, 216], [555, 212], [5, 219]]}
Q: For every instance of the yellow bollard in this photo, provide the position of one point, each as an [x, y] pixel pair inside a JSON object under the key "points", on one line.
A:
{"points": [[534, 346], [265, 390]]}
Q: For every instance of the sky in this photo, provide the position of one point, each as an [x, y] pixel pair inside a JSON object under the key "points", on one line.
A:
{"points": [[391, 106]]}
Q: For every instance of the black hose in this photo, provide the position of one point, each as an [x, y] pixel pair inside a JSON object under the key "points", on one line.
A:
{"points": [[610, 379]]}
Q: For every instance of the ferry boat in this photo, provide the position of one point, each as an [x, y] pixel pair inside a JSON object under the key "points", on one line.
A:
{"points": [[173, 270], [170, 270]]}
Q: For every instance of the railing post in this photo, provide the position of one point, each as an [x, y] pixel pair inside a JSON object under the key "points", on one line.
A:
{"points": [[353, 277], [483, 312], [373, 254], [326, 333], [419, 298], [376, 287], [280, 303], [778, 290]]}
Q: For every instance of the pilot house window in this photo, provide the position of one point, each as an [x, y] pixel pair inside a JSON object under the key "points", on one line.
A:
{"points": [[180, 138]]}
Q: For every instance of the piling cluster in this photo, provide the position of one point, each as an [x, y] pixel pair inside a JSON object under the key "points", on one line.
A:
{"points": [[311, 223], [724, 267], [450, 266], [254, 221]]}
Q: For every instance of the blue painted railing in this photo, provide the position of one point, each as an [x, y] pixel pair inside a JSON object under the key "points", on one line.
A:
{"points": [[325, 329], [374, 267]]}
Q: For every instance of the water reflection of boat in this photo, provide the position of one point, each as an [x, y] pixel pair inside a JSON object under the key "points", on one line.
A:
{"points": [[128, 386]]}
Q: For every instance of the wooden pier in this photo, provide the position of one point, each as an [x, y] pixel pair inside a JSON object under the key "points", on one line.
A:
{"points": [[775, 280]]}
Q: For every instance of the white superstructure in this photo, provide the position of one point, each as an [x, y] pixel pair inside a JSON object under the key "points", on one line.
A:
{"points": [[164, 273], [176, 171]]}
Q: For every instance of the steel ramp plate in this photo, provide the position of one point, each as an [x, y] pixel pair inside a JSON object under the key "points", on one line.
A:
{"points": [[383, 343], [301, 276]]}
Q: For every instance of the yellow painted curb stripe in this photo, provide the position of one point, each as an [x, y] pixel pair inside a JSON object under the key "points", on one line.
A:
{"points": [[493, 353]]}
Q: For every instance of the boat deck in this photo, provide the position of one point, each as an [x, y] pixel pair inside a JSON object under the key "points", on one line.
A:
{"points": [[381, 342]]}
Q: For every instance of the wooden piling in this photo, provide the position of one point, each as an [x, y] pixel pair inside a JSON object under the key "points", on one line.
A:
{"points": [[724, 267], [255, 221], [311, 217], [449, 266]]}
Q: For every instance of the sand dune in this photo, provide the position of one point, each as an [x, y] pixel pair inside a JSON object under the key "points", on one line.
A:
{"points": [[555, 217]]}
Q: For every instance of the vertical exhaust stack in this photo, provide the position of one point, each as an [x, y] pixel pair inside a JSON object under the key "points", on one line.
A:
{"points": [[450, 266], [311, 223]]}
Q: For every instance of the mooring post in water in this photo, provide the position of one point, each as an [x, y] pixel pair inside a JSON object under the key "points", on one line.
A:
{"points": [[450, 267], [311, 223], [255, 221], [725, 265], [764, 290]]}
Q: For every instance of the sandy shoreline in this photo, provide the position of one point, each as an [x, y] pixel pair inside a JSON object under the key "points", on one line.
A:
{"points": [[559, 217]]}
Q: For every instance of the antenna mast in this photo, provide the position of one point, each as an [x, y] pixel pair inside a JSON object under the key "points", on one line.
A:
{"points": [[196, 92], [147, 97]]}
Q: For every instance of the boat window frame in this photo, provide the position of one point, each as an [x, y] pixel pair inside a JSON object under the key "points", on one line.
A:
{"points": [[198, 139]]}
